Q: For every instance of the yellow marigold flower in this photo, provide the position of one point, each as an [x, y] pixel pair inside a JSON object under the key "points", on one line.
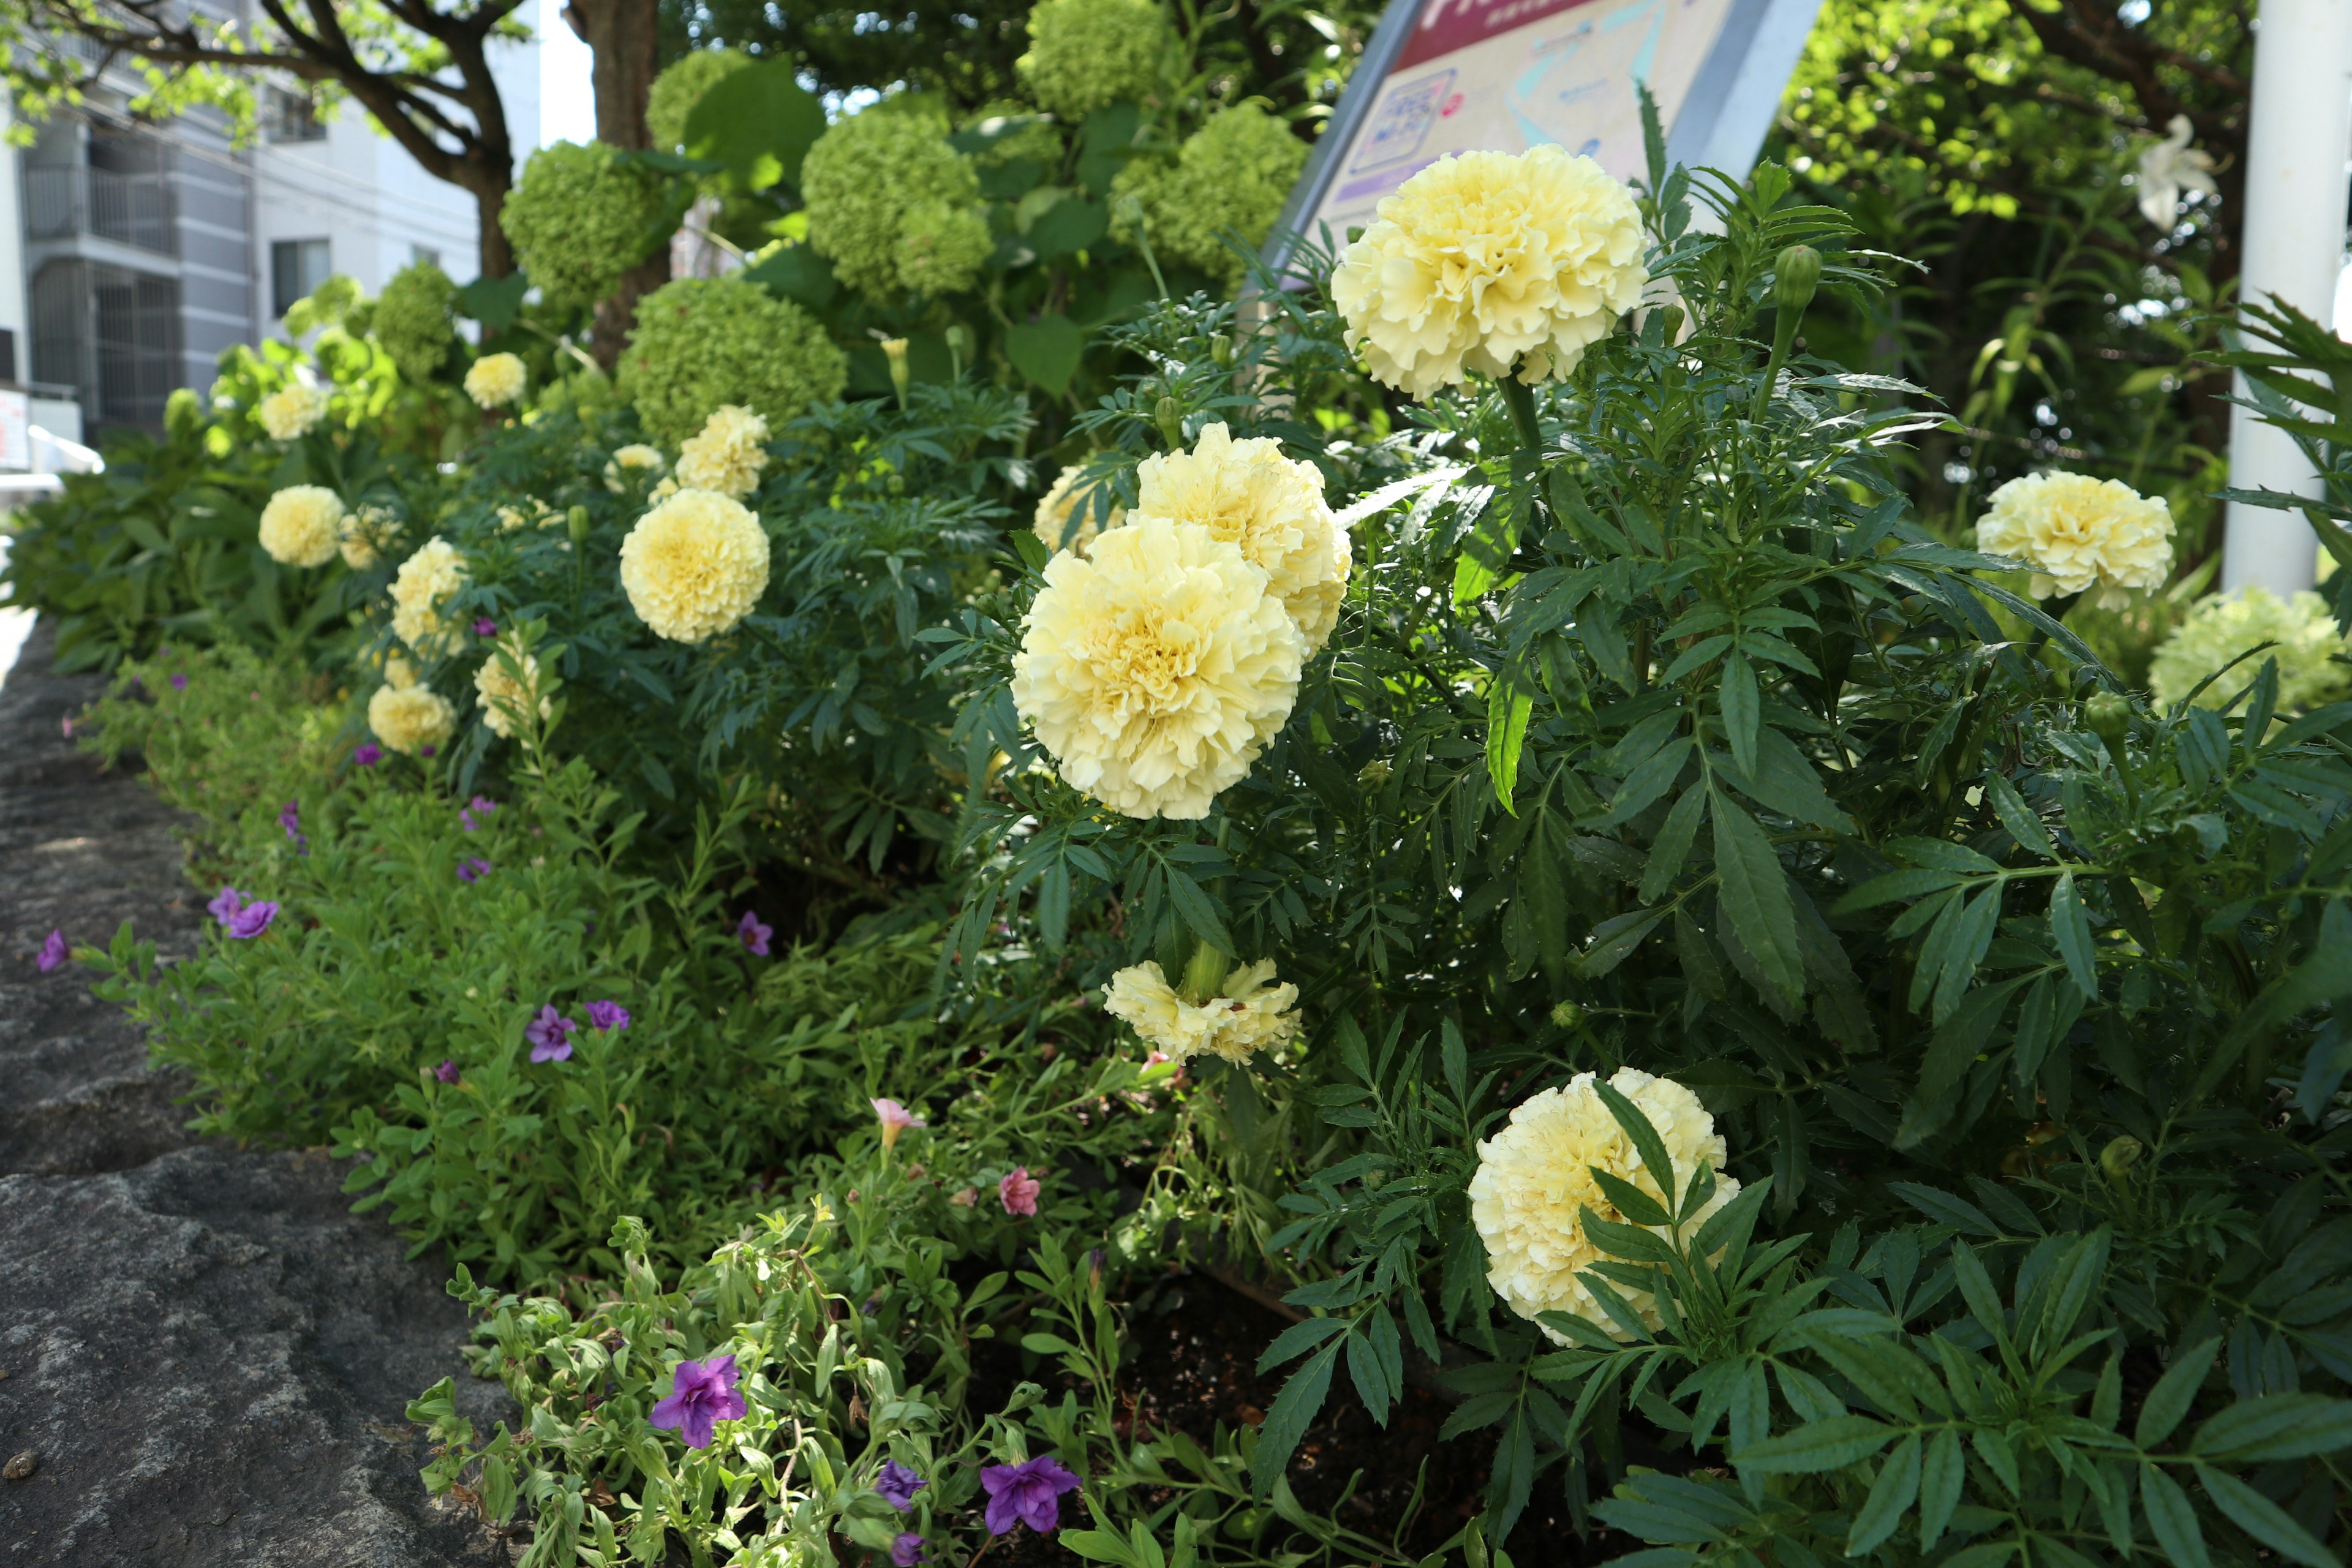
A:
{"points": [[1248, 494], [727, 455], [1155, 668], [289, 413], [362, 535], [502, 697], [2311, 672], [494, 380], [1062, 500], [410, 718], [2077, 534], [514, 518], [302, 525], [634, 460], [423, 582], [1535, 1180], [1252, 1014], [1483, 261], [695, 565], [398, 671]]}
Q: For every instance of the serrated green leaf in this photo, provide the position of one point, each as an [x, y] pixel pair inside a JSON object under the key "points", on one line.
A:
{"points": [[2172, 1519], [2167, 1403], [1753, 896], [1809, 1451], [2070, 927], [2263, 1520], [1895, 1490]]}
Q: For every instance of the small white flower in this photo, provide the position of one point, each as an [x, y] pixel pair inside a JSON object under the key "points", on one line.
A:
{"points": [[2168, 167]]}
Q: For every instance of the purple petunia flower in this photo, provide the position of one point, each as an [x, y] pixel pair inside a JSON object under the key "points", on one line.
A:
{"points": [[179, 683], [473, 868], [241, 921], [485, 627], [447, 1072], [898, 1485], [291, 819], [908, 1550], [752, 934], [368, 755], [609, 1017], [1028, 1493], [53, 952], [702, 1396], [550, 1035], [476, 812]]}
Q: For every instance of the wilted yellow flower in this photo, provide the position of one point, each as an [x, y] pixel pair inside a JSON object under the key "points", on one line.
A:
{"points": [[727, 455], [1156, 667], [1248, 494], [514, 518], [502, 697], [1486, 260], [422, 585], [634, 460], [1535, 1180], [410, 718], [289, 413], [2310, 671], [695, 565], [2077, 532], [1062, 501], [494, 380], [301, 525], [1254, 1012]]}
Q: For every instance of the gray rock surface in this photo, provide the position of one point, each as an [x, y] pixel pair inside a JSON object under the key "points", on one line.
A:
{"points": [[205, 1353]]}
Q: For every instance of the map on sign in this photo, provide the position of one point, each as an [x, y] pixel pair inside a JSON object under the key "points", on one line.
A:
{"points": [[1453, 75]]}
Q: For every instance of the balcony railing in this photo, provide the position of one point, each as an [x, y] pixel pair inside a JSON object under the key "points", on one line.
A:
{"points": [[135, 209]]}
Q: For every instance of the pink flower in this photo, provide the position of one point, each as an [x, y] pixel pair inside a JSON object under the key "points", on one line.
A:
{"points": [[53, 952], [1018, 1192], [896, 1118]]}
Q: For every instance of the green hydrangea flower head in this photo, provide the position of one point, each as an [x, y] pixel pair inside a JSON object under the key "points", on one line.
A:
{"points": [[1235, 172], [893, 207], [2225, 625], [1036, 140], [579, 217], [1086, 53], [324, 306], [682, 86], [703, 342], [414, 322]]}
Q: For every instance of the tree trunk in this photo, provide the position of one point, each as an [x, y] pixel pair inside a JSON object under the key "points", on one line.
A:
{"points": [[495, 251], [622, 36]]}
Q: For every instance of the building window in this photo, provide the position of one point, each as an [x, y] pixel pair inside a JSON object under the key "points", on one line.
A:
{"points": [[297, 267], [292, 117], [425, 253]]}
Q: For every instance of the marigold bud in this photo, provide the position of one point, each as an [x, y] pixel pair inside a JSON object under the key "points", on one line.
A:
{"points": [[2108, 713], [2118, 1157], [1795, 277], [895, 351], [1171, 420], [1567, 1014]]}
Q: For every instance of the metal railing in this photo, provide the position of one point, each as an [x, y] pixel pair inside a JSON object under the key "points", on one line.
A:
{"points": [[135, 209]]}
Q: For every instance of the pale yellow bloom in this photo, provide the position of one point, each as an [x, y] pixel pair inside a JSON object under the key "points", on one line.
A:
{"points": [[410, 718], [502, 697], [361, 536], [398, 671], [630, 461], [1535, 1180], [1060, 500], [495, 380], [423, 584], [2309, 650], [1156, 667], [514, 518], [2078, 533], [1484, 260], [1253, 1014], [289, 413], [1248, 494], [727, 455], [695, 565], [302, 524]]}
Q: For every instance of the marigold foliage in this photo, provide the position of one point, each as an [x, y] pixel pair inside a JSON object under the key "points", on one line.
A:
{"points": [[1233, 174], [1086, 53], [2077, 534], [701, 342], [1490, 260], [1156, 667], [1061, 503], [1252, 1013], [695, 565], [362, 535], [881, 189], [2309, 651], [501, 697], [407, 719], [1535, 1180], [680, 87], [414, 322], [1251, 496], [420, 589], [581, 216], [302, 525]]}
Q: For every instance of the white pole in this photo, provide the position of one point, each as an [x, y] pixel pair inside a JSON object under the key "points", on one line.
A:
{"points": [[2296, 149]]}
